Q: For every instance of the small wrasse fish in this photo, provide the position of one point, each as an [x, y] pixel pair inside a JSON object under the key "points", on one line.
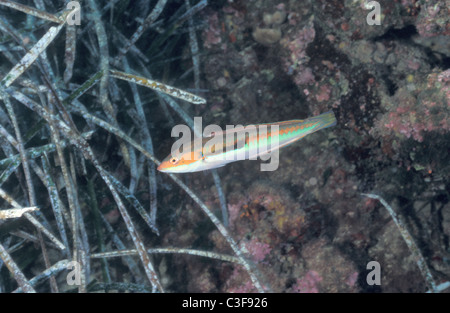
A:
{"points": [[240, 143]]}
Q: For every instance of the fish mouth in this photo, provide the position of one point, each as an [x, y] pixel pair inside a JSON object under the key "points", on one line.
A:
{"points": [[165, 168], [161, 168]]}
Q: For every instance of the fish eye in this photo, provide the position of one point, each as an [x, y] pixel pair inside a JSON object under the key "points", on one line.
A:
{"points": [[173, 160]]}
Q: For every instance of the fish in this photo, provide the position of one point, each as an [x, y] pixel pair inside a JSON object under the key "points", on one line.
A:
{"points": [[242, 143]]}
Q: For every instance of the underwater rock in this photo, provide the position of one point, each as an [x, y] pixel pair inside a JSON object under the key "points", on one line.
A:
{"points": [[267, 36], [276, 18]]}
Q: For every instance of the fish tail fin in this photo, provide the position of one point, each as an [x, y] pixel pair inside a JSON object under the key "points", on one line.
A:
{"points": [[325, 120]]}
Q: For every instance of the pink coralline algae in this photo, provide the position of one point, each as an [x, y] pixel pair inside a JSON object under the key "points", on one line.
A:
{"points": [[412, 114], [433, 19], [238, 282], [297, 54], [324, 93], [244, 288], [212, 34], [308, 283], [352, 279], [235, 211], [258, 250], [444, 79], [304, 76]]}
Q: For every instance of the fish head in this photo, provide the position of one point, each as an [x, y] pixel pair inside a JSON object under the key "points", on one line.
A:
{"points": [[182, 162]]}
